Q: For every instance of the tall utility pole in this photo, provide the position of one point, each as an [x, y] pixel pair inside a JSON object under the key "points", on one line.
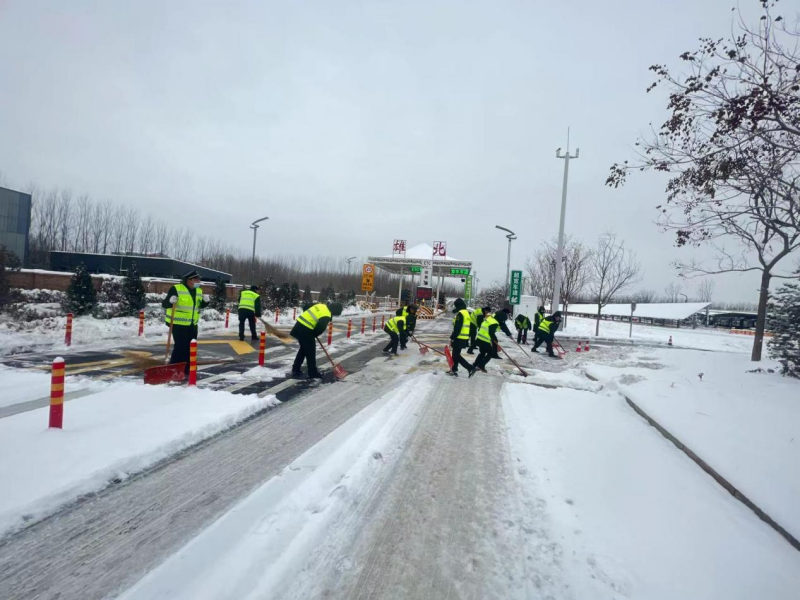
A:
{"points": [[560, 254], [254, 227], [511, 237]]}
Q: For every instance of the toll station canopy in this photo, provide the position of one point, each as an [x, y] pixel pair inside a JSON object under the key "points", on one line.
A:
{"points": [[419, 256]]}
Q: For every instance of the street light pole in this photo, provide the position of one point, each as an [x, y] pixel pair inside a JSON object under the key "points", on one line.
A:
{"points": [[511, 237], [560, 254], [254, 227]]}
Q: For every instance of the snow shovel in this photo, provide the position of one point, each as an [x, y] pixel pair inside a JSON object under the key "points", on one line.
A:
{"points": [[423, 348], [338, 370], [521, 370], [559, 348], [449, 356], [166, 373], [523, 350]]}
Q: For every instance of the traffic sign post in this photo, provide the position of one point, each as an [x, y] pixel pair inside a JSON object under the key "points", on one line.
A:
{"points": [[367, 278], [633, 308], [516, 287], [468, 289]]}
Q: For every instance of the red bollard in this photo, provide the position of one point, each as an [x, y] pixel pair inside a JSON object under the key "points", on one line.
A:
{"points": [[383, 319], [349, 327], [670, 341], [193, 363], [57, 393], [277, 314], [141, 323], [586, 346], [227, 317], [363, 323], [294, 314], [330, 333], [262, 348], [374, 320], [68, 333], [578, 349]]}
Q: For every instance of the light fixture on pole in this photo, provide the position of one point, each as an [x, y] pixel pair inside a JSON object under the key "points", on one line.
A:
{"points": [[254, 227], [511, 237], [349, 260], [560, 254]]}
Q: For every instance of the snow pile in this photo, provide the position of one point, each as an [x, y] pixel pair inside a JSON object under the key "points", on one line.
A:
{"points": [[266, 544], [572, 379], [654, 310], [703, 339], [745, 425], [109, 435], [631, 517], [23, 385]]}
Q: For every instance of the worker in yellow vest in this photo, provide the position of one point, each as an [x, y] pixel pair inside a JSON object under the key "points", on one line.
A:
{"points": [[311, 324], [396, 328], [459, 339], [187, 299], [249, 309], [547, 332], [487, 343]]}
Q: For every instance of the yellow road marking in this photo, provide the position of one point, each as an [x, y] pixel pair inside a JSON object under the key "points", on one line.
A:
{"points": [[238, 347]]}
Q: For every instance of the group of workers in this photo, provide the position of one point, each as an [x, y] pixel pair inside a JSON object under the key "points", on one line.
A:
{"points": [[471, 330]]}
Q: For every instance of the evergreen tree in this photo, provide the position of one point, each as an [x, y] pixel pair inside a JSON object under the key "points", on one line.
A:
{"points": [[8, 262], [284, 296], [350, 300], [307, 299], [785, 325], [294, 295], [219, 297], [268, 294], [81, 295], [133, 296]]}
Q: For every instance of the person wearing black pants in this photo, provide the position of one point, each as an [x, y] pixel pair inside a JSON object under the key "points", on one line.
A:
{"points": [[182, 304], [487, 343], [547, 329], [396, 328], [312, 323], [459, 339], [523, 325], [249, 309], [537, 320]]}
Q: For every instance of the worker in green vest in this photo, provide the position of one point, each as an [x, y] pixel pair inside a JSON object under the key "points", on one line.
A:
{"points": [[547, 333], [249, 309], [459, 339], [411, 324], [187, 299], [537, 319], [487, 343], [523, 325], [311, 324], [396, 328]]}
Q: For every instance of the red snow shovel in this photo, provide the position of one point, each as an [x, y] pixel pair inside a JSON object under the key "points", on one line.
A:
{"points": [[166, 373], [338, 370], [423, 348], [521, 370], [449, 356]]}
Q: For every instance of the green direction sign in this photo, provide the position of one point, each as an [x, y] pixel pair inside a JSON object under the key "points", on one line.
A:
{"points": [[515, 291], [468, 289], [415, 269], [459, 271]]}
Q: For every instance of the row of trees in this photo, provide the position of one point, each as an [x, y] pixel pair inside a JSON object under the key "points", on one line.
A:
{"points": [[731, 147], [64, 221]]}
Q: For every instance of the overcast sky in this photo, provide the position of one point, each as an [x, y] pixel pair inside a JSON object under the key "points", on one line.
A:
{"points": [[350, 124]]}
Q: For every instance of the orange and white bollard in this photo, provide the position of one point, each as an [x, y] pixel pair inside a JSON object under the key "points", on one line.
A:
{"points": [[294, 314], [68, 332], [349, 327], [227, 317], [57, 393], [374, 320], [330, 333], [141, 323], [670, 341], [262, 348], [578, 349], [277, 315], [363, 324], [586, 346], [193, 363]]}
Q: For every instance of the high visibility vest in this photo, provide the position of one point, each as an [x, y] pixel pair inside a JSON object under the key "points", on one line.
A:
{"points": [[545, 325], [313, 315], [187, 309], [473, 316], [392, 323], [247, 301], [483, 332], [523, 324], [464, 333], [405, 311], [537, 319]]}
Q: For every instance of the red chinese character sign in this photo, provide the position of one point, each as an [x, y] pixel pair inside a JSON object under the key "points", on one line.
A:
{"points": [[439, 249], [399, 247]]}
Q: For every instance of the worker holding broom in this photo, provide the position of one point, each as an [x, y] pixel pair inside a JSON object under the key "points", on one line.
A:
{"points": [[311, 324], [487, 344], [523, 325], [547, 331], [411, 323], [249, 309], [183, 303], [459, 339], [475, 320], [396, 328]]}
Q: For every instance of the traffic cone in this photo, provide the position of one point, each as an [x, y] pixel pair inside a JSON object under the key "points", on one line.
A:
{"points": [[670, 341], [586, 346], [578, 349]]}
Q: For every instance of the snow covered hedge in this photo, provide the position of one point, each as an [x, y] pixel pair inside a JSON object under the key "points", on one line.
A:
{"points": [[785, 324]]}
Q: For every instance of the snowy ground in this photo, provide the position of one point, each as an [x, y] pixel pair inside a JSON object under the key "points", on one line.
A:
{"points": [[494, 488], [700, 338]]}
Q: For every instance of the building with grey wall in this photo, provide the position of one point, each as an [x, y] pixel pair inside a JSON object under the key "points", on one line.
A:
{"points": [[15, 222]]}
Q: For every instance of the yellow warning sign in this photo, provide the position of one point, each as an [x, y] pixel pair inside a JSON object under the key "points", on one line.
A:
{"points": [[368, 278]]}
